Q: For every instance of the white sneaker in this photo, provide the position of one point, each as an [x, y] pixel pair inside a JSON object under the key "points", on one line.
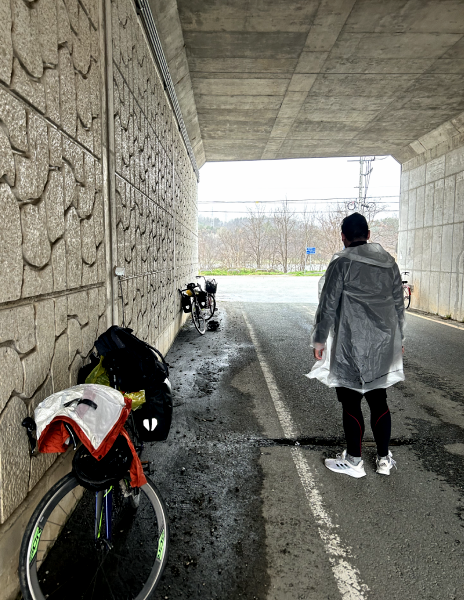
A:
{"points": [[341, 465], [385, 464]]}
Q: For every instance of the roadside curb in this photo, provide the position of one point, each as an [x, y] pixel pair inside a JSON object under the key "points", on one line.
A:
{"points": [[432, 317]]}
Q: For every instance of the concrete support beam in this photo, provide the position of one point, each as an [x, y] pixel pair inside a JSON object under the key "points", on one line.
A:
{"points": [[170, 31], [346, 77], [328, 22]]}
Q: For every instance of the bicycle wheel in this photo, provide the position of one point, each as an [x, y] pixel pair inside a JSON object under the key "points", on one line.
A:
{"points": [[210, 306], [406, 297], [198, 317], [59, 557]]}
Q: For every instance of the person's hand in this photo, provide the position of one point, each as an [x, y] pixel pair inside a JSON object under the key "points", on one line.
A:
{"points": [[402, 349], [318, 353]]}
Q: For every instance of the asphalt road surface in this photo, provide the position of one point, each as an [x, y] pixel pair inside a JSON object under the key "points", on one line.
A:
{"points": [[254, 512]]}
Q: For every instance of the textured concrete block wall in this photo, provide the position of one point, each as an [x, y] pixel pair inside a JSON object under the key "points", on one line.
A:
{"points": [[155, 187], [52, 255], [431, 237], [71, 211]]}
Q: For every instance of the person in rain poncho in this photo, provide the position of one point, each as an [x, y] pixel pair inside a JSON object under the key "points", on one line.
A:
{"points": [[358, 341]]}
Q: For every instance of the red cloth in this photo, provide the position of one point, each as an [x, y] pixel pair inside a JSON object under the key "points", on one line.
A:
{"points": [[136, 471], [54, 436]]}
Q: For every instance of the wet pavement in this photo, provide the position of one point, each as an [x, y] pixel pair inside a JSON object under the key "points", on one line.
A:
{"points": [[254, 512]]}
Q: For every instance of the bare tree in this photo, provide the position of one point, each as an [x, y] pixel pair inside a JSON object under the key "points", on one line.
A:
{"points": [[284, 224], [208, 248], [330, 223], [308, 235], [232, 246], [256, 234], [385, 232], [279, 241], [329, 226]]}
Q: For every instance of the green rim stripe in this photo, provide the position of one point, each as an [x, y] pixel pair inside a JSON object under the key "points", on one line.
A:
{"points": [[159, 556], [35, 544], [100, 524]]}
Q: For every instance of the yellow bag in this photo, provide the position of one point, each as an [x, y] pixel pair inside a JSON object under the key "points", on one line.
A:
{"points": [[138, 398], [100, 376]]}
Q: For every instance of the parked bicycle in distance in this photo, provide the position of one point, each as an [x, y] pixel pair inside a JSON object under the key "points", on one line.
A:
{"points": [[407, 289], [210, 289], [193, 300]]}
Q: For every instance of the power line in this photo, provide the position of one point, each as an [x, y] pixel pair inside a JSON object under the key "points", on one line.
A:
{"points": [[326, 200], [242, 212]]}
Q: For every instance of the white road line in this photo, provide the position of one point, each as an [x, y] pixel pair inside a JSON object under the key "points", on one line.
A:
{"points": [[285, 418], [434, 321], [347, 577]]}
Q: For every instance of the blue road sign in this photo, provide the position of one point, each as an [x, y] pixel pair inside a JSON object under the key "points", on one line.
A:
{"points": [[310, 250]]}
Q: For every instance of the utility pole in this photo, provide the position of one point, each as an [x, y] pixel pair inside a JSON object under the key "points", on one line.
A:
{"points": [[361, 187], [365, 170]]}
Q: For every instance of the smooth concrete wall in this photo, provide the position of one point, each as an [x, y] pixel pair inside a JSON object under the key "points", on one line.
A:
{"points": [[431, 237], [80, 193]]}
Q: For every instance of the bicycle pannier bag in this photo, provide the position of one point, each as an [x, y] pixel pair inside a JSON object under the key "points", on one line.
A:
{"points": [[132, 364], [186, 303], [85, 371], [153, 418], [202, 298], [211, 286], [98, 475]]}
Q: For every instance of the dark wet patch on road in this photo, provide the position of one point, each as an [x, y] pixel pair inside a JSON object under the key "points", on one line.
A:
{"points": [[442, 401], [210, 476]]}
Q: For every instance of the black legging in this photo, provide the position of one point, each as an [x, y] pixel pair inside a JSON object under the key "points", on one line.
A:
{"points": [[353, 422]]}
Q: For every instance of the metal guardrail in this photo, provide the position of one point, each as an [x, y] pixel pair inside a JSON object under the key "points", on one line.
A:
{"points": [[144, 10]]}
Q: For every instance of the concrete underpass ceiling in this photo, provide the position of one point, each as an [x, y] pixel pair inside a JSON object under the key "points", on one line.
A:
{"points": [[266, 79]]}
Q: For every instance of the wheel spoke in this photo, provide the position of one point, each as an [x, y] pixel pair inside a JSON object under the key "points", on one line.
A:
{"points": [[95, 573]]}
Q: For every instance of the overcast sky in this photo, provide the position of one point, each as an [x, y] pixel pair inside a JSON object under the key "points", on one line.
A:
{"points": [[227, 189]]}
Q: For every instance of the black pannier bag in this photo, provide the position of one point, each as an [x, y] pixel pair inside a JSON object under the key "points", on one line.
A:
{"points": [[85, 371], [153, 418], [202, 298], [211, 286], [96, 475], [131, 364], [186, 303]]}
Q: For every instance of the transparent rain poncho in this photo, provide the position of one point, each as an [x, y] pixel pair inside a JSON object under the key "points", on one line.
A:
{"points": [[360, 320]]}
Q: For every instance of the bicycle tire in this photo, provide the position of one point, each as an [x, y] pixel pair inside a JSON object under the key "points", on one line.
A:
{"points": [[58, 549], [406, 297], [198, 317], [210, 305]]}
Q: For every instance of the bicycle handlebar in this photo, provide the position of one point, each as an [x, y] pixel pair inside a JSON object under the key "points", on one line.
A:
{"points": [[30, 426]]}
